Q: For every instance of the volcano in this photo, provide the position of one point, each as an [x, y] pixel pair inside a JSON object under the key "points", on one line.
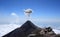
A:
{"points": [[28, 29], [22, 31]]}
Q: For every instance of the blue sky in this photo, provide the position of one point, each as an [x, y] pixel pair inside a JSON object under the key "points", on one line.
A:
{"points": [[43, 10]]}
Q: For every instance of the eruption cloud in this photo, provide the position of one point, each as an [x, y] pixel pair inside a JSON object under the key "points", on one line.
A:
{"points": [[28, 12]]}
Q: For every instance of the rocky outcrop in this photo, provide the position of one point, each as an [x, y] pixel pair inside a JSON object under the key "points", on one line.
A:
{"points": [[43, 32]]}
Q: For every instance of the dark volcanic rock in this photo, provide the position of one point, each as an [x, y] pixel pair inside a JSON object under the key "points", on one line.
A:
{"points": [[44, 32], [23, 31]]}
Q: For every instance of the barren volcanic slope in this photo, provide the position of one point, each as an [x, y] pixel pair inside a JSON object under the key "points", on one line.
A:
{"points": [[23, 31]]}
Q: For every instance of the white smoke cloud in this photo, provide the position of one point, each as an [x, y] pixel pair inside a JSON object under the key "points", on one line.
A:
{"points": [[16, 18], [14, 14], [28, 12]]}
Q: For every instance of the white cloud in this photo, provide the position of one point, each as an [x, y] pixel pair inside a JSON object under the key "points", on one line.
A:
{"points": [[14, 14], [56, 31], [4, 29], [16, 18]]}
